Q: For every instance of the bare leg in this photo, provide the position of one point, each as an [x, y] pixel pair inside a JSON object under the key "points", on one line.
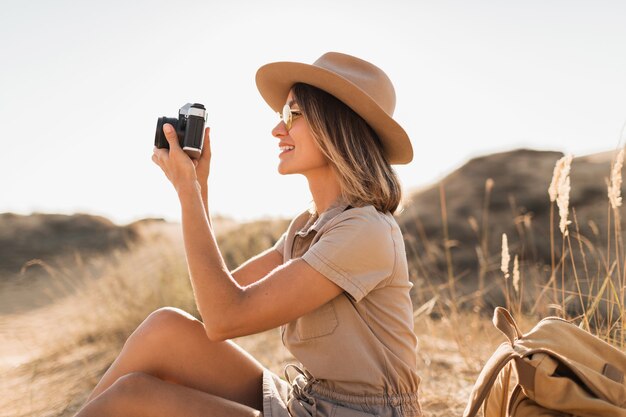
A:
{"points": [[138, 395], [172, 345]]}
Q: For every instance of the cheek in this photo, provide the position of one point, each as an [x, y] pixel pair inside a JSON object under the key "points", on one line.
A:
{"points": [[311, 150], [306, 146], [318, 156], [307, 143]]}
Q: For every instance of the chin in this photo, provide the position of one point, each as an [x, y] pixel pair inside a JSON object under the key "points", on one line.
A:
{"points": [[289, 167], [283, 171]]}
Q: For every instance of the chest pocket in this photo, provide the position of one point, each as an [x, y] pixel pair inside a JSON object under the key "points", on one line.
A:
{"points": [[319, 322]]}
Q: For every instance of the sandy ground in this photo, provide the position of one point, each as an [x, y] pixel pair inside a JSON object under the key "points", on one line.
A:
{"points": [[33, 372]]}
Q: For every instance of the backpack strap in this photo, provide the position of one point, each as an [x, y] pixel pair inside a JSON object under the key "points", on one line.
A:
{"points": [[503, 355], [504, 322]]}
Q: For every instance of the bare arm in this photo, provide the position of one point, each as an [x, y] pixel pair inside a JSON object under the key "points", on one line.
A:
{"points": [[257, 267], [205, 200], [230, 309]]}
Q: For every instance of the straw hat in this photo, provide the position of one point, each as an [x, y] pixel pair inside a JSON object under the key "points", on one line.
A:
{"points": [[362, 86]]}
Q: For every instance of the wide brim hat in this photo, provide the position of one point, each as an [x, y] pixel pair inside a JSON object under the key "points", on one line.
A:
{"points": [[360, 85]]}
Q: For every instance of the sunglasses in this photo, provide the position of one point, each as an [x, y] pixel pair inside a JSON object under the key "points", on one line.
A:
{"points": [[289, 115]]}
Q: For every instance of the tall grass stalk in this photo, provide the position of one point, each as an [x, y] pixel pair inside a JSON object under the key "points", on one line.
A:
{"points": [[447, 243], [615, 200], [504, 267], [484, 241], [518, 286]]}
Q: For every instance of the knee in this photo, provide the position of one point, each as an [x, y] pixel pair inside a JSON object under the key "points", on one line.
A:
{"points": [[164, 324], [122, 397], [131, 385], [168, 317]]}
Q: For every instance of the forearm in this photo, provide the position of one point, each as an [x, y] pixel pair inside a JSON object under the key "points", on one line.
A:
{"points": [[204, 192], [214, 288]]}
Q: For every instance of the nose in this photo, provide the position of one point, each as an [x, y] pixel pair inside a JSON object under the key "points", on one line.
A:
{"points": [[279, 130]]}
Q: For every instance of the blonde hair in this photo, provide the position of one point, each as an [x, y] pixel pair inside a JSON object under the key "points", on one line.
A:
{"points": [[353, 149]]}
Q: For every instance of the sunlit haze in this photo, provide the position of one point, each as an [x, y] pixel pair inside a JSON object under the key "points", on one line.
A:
{"points": [[82, 84]]}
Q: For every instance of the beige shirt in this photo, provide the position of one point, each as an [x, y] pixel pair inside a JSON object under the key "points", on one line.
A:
{"points": [[361, 342]]}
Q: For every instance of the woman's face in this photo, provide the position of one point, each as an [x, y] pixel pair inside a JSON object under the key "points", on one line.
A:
{"points": [[305, 158]]}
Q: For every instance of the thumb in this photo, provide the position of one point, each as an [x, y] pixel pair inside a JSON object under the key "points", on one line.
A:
{"points": [[171, 136]]}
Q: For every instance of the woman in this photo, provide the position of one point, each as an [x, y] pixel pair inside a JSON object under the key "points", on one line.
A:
{"points": [[336, 282]]}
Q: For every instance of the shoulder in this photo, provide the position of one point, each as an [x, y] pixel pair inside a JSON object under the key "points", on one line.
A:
{"points": [[357, 249], [366, 217], [363, 227]]}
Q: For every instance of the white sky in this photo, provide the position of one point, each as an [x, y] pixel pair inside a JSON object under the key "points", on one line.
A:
{"points": [[82, 84]]}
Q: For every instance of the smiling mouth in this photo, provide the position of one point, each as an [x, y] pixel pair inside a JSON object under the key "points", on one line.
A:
{"points": [[285, 149]]}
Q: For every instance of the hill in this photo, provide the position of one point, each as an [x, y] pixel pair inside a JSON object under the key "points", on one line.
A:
{"points": [[495, 194], [49, 236]]}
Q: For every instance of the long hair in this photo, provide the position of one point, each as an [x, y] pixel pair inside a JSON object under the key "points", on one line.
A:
{"points": [[353, 149]]}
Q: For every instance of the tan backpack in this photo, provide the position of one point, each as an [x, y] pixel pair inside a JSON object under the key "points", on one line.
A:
{"points": [[556, 369]]}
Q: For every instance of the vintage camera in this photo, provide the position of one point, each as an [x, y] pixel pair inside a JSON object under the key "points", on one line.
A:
{"points": [[189, 127]]}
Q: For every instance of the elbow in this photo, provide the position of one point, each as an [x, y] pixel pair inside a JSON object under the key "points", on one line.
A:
{"points": [[216, 330], [221, 333], [221, 329], [215, 336], [225, 322]]}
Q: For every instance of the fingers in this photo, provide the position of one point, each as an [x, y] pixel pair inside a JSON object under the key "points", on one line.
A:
{"points": [[206, 146], [161, 158], [159, 155]]}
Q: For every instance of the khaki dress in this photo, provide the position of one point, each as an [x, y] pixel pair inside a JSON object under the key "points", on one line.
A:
{"points": [[357, 352]]}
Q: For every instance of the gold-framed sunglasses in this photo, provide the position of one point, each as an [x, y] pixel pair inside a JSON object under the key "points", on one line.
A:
{"points": [[289, 115]]}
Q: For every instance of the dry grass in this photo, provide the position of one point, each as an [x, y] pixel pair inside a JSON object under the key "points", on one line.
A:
{"points": [[53, 356], [585, 283]]}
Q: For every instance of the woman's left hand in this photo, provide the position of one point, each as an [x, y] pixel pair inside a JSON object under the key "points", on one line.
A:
{"points": [[178, 167], [203, 164]]}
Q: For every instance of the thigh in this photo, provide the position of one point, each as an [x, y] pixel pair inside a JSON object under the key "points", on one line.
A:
{"points": [[138, 394], [173, 346]]}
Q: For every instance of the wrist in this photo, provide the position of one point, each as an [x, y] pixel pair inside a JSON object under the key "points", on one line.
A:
{"points": [[203, 177], [188, 189]]}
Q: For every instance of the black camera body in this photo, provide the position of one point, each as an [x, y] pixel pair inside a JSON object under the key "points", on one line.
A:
{"points": [[189, 128]]}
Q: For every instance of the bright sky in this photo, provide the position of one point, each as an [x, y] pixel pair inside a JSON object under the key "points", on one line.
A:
{"points": [[82, 84]]}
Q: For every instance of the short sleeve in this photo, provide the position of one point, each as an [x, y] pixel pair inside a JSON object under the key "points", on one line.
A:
{"points": [[357, 253]]}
